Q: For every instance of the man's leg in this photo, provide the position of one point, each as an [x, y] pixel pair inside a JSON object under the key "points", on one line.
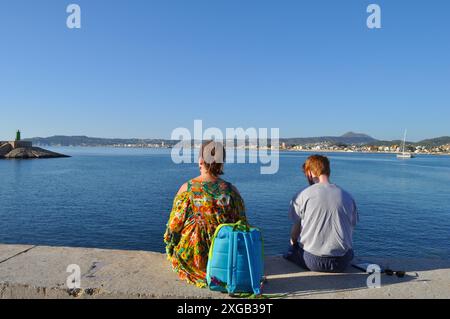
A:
{"points": [[328, 264], [295, 254]]}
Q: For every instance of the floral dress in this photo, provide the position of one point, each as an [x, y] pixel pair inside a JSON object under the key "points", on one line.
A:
{"points": [[195, 216]]}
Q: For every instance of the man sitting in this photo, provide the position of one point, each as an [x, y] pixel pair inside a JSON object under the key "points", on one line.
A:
{"points": [[324, 217]]}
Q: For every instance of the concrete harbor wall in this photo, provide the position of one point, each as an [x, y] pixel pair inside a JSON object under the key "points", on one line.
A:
{"points": [[28, 271]]}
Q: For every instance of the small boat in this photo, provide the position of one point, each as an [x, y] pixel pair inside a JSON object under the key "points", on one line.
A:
{"points": [[404, 154]]}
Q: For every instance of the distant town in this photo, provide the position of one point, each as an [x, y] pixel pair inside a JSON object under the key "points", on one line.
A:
{"points": [[331, 147], [349, 142]]}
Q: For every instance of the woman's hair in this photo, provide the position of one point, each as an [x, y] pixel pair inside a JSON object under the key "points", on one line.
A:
{"points": [[213, 155]]}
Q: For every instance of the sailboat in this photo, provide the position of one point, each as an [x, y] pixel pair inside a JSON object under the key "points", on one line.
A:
{"points": [[404, 154]]}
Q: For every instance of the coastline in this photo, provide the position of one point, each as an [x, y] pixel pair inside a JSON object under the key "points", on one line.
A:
{"points": [[362, 152], [247, 149], [28, 271]]}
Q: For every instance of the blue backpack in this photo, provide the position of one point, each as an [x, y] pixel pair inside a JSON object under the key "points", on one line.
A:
{"points": [[236, 260]]}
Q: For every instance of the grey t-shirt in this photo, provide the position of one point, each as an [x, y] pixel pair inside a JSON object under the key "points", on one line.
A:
{"points": [[328, 215]]}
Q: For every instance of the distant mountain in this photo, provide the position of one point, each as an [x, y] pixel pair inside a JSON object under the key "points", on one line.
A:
{"points": [[61, 140], [347, 138], [444, 140], [439, 141], [356, 135]]}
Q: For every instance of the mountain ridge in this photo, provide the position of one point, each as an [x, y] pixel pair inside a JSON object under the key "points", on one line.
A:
{"points": [[347, 138]]}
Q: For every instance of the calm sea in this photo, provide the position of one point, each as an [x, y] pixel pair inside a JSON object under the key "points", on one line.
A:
{"points": [[121, 198]]}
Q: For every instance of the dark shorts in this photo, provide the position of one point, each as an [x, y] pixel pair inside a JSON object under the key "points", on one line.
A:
{"points": [[311, 262]]}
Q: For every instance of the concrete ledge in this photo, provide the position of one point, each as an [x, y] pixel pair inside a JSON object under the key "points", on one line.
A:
{"points": [[40, 272]]}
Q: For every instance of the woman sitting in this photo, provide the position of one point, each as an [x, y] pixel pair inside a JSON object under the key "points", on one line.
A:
{"points": [[201, 205]]}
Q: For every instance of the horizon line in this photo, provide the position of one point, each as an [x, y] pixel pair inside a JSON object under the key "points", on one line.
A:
{"points": [[169, 139]]}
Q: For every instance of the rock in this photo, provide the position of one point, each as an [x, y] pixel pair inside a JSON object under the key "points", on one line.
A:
{"points": [[93, 291], [77, 292], [5, 149], [31, 153]]}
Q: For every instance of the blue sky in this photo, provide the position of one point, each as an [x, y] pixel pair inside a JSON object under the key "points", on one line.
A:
{"points": [[143, 68]]}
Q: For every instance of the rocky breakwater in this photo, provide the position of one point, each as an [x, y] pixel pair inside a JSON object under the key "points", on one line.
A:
{"points": [[9, 150]]}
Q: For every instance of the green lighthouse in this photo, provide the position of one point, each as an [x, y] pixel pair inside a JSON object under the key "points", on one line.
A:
{"points": [[18, 136]]}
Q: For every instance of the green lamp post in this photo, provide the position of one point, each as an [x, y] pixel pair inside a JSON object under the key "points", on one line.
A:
{"points": [[18, 135]]}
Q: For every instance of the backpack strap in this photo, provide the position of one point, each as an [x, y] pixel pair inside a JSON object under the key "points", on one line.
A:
{"points": [[255, 280], [232, 262]]}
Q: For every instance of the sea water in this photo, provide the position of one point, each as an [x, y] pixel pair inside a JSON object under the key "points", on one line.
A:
{"points": [[121, 199]]}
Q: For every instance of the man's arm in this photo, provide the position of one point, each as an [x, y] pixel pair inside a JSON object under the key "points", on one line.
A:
{"points": [[294, 215], [295, 233]]}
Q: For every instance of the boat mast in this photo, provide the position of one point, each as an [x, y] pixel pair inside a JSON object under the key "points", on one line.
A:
{"points": [[404, 141]]}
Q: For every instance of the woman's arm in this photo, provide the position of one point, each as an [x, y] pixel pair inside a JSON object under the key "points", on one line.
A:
{"points": [[175, 225], [235, 190], [183, 189]]}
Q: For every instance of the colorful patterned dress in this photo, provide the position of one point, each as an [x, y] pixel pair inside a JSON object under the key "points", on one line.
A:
{"points": [[195, 216]]}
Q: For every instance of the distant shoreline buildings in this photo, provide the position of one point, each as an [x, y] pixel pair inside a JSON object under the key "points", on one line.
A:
{"points": [[392, 149]]}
